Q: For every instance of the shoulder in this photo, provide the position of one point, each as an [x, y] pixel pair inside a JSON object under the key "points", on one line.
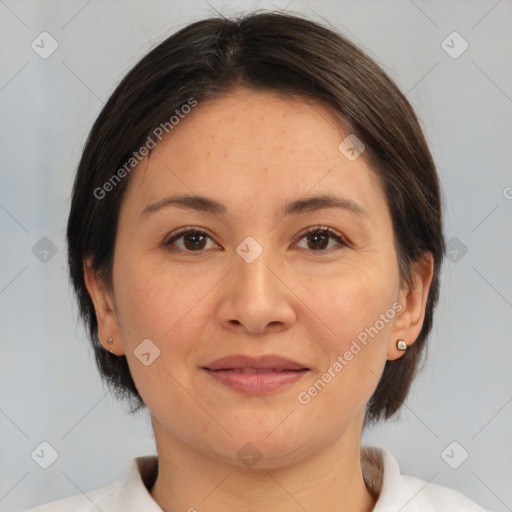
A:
{"points": [[105, 499], [406, 493], [130, 494], [436, 497]]}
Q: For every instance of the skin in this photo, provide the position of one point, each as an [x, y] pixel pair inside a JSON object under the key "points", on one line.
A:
{"points": [[254, 152]]}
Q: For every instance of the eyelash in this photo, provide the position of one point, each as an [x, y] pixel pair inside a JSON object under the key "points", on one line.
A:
{"points": [[315, 230]]}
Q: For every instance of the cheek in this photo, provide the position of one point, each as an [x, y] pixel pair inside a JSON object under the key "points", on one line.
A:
{"points": [[171, 309], [353, 353], [167, 310], [348, 303], [150, 301]]}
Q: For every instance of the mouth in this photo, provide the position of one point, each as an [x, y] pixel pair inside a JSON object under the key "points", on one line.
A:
{"points": [[256, 375]]}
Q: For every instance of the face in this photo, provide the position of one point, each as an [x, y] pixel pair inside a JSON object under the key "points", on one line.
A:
{"points": [[249, 235]]}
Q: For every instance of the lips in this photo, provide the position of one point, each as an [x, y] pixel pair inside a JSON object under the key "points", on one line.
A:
{"points": [[255, 375], [263, 364]]}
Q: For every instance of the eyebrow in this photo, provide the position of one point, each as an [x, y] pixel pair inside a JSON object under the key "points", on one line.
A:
{"points": [[207, 205]]}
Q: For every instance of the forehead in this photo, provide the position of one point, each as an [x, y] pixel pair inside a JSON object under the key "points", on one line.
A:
{"points": [[273, 125], [253, 145]]}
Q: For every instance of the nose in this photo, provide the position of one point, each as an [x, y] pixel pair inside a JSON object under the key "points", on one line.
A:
{"points": [[255, 298]]}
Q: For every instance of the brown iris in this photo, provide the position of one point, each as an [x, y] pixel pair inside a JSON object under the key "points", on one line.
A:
{"points": [[194, 241], [318, 241]]}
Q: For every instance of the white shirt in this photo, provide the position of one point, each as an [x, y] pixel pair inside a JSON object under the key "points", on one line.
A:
{"points": [[381, 473]]}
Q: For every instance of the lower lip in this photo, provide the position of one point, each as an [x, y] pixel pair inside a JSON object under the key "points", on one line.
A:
{"points": [[256, 383]]}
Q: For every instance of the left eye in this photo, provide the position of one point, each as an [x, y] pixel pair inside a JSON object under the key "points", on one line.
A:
{"points": [[192, 240], [322, 239]]}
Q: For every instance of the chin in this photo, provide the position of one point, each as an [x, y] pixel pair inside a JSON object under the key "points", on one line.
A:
{"points": [[259, 451]]}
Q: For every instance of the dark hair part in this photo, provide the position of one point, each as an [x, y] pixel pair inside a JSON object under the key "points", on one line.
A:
{"points": [[268, 52]]}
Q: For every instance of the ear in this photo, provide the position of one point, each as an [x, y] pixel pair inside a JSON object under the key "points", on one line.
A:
{"points": [[104, 306], [413, 299]]}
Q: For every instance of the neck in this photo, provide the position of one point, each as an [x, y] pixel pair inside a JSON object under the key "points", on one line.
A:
{"points": [[331, 479]]}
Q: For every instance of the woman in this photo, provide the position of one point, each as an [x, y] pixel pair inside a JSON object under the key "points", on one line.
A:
{"points": [[255, 240]]}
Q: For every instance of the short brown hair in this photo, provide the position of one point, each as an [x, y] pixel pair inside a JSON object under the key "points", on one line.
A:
{"points": [[263, 51]]}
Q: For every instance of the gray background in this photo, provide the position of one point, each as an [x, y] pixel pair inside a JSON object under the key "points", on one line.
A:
{"points": [[50, 390]]}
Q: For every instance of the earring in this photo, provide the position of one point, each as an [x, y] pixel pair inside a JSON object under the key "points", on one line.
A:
{"points": [[110, 341], [401, 345]]}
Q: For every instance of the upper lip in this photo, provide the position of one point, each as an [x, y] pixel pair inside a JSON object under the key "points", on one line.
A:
{"points": [[266, 362]]}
